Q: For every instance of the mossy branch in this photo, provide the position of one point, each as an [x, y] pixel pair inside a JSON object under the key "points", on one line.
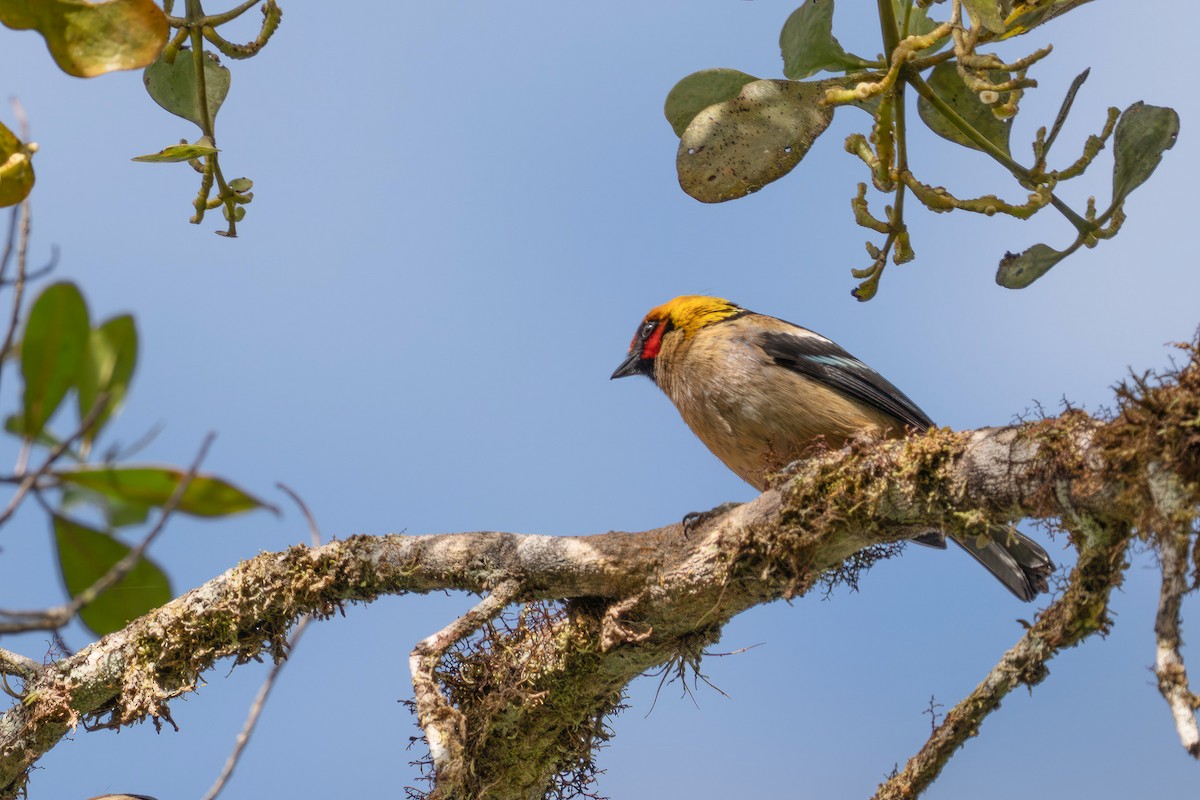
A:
{"points": [[528, 703]]}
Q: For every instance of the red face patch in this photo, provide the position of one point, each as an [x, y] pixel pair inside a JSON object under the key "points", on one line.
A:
{"points": [[654, 341]]}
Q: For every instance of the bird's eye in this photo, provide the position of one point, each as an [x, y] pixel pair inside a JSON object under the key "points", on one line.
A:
{"points": [[648, 327]]}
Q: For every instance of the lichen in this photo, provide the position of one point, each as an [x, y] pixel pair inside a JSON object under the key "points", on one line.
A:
{"points": [[531, 691]]}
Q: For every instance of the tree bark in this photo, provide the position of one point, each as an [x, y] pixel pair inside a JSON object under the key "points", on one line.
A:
{"points": [[513, 706]]}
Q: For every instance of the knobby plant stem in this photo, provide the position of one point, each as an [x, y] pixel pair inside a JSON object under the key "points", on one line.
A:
{"points": [[213, 20], [901, 157], [195, 24], [983, 143], [194, 14], [968, 130]]}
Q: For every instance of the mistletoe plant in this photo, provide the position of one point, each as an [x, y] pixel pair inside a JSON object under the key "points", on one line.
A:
{"points": [[87, 39], [738, 133]]}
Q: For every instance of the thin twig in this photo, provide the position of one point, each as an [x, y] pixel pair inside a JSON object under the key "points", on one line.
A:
{"points": [[62, 648], [55, 618], [144, 441], [1080, 612], [44, 269], [256, 708], [264, 691], [19, 281], [10, 242], [314, 531], [8, 690], [30, 479]]}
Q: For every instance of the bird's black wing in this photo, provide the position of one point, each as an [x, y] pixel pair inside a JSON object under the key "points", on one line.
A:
{"points": [[818, 358]]}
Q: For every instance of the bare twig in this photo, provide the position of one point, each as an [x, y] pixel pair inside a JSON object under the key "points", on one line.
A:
{"points": [[55, 618], [932, 711], [142, 442], [264, 691], [19, 280], [60, 644], [1079, 613], [256, 708], [10, 241], [314, 532], [30, 479]]}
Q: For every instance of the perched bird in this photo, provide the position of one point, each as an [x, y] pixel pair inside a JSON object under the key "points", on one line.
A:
{"points": [[760, 392]]}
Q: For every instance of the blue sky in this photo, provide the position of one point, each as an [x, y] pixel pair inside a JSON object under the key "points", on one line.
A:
{"points": [[460, 216]]}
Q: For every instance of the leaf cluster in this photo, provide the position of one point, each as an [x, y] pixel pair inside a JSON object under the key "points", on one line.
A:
{"points": [[60, 353], [738, 133], [87, 39]]}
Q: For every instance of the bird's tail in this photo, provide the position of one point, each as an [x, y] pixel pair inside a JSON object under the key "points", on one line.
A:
{"points": [[1016, 560]]}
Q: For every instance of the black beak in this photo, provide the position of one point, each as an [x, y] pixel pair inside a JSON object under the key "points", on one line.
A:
{"points": [[634, 364]]}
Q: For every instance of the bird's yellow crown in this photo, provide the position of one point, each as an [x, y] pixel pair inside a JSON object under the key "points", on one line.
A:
{"points": [[691, 312]]}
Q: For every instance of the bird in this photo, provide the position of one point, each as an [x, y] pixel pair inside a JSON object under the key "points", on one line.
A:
{"points": [[761, 392]]}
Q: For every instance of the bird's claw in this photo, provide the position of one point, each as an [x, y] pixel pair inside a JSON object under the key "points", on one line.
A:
{"points": [[695, 520]]}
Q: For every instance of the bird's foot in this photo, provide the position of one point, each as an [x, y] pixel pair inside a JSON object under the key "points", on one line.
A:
{"points": [[695, 520]]}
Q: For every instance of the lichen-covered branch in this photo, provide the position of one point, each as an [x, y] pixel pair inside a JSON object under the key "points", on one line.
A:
{"points": [[1168, 665], [529, 699], [445, 726], [1080, 612]]}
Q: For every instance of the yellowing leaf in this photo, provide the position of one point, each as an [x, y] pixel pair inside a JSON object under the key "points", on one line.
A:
{"points": [[1028, 14], [206, 495], [16, 170], [88, 39], [180, 152]]}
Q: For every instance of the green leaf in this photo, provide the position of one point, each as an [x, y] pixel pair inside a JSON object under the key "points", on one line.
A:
{"points": [[180, 152], [1063, 111], [948, 85], [241, 185], [1143, 134], [734, 148], [85, 555], [173, 86], [206, 495], [116, 513], [808, 46], [16, 169], [108, 367], [52, 352], [91, 38], [15, 424], [700, 90], [1018, 271], [988, 12]]}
